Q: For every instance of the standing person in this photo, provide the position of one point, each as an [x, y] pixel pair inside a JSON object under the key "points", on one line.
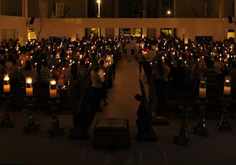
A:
{"points": [[140, 61], [128, 48], [196, 73], [148, 64], [52, 63], [178, 75], [232, 74], [3, 69], [30, 72], [14, 73], [96, 88], [59, 75], [9, 61], [103, 73], [45, 74], [212, 75], [133, 44], [159, 81]]}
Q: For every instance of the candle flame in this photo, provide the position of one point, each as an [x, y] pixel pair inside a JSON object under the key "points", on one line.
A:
{"points": [[53, 82], [28, 80], [6, 78]]}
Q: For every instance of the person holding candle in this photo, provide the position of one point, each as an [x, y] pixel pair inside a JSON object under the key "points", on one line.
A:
{"points": [[196, 73], [150, 55], [141, 61], [232, 74], [45, 74], [52, 63], [103, 73], [178, 76], [96, 88], [159, 81], [9, 61], [212, 75], [14, 73], [3, 69], [59, 75]]}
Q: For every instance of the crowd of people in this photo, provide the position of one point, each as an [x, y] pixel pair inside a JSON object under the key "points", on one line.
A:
{"points": [[164, 60]]}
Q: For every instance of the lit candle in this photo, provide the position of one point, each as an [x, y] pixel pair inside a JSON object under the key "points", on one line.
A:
{"points": [[28, 86], [227, 85], [202, 88], [6, 84], [53, 88]]}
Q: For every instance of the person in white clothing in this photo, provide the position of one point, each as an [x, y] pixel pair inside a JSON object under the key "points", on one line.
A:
{"points": [[128, 50]]}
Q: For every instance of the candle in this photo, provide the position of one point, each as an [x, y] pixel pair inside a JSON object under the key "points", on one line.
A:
{"points": [[202, 87], [6, 85], [227, 85], [29, 91], [53, 88], [227, 90], [202, 92], [28, 87]]}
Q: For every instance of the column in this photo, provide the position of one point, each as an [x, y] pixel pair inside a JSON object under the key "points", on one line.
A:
{"points": [[23, 33], [103, 32], [144, 32], [158, 32], [0, 7], [116, 32], [234, 8], [25, 8]]}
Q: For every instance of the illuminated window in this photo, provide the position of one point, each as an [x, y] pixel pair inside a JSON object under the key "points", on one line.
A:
{"points": [[32, 34], [93, 32], [10, 34], [230, 33], [135, 32], [167, 32]]}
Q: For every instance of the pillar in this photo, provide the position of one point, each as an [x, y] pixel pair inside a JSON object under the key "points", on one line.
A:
{"points": [[103, 32], [116, 32], [144, 32], [0, 7], [158, 32], [23, 33], [234, 8], [25, 8]]}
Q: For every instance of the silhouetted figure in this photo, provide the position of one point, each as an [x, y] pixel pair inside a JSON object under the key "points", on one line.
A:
{"points": [[144, 121]]}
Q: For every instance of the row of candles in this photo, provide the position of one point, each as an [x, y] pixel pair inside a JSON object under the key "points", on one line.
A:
{"points": [[203, 82], [53, 88], [29, 86]]}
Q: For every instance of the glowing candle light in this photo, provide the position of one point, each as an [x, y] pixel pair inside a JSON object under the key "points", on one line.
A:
{"points": [[28, 86], [6, 84], [202, 88], [53, 88], [227, 85]]}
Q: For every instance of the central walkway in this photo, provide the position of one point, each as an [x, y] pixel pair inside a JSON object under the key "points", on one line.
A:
{"points": [[121, 97]]}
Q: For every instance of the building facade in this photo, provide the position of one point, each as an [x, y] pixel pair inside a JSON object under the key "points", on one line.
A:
{"points": [[27, 19]]}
